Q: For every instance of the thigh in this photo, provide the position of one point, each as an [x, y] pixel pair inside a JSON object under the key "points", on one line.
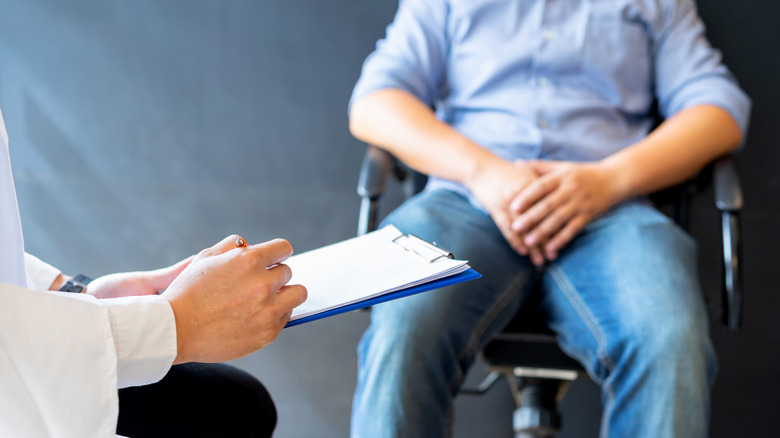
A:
{"points": [[460, 317], [198, 400], [628, 282]]}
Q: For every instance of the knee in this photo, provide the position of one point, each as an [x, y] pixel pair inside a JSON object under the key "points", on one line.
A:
{"points": [[248, 406], [674, 345], [676, 339], [261, 409], [400, 341]]}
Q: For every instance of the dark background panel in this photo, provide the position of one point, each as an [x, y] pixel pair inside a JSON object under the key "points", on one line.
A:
{"points": [[142, 131]]}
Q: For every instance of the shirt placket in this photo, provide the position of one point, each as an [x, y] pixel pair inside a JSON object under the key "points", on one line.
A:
{"points": [[557, 52], [539, 81]]}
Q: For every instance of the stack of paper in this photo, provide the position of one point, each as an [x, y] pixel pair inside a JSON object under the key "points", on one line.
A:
{"points": [[379, 266]]}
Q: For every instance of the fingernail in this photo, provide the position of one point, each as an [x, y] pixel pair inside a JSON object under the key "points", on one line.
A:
{"points": [[531, 239]]}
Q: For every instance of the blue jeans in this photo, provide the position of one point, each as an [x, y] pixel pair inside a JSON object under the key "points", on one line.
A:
{"points": [[623, 297]]}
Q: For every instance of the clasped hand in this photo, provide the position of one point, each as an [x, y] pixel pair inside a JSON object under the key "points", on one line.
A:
{"points": [[558, 204], [540, 206]]}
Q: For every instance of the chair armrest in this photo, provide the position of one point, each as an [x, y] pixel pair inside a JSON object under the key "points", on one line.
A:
{"points": [[728, 190], [728, 199], [374, 171]]}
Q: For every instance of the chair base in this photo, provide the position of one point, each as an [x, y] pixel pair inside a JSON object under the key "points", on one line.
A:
{"points": [[537, 414]]}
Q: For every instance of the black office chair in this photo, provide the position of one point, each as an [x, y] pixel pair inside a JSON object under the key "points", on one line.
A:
{"points": [[526, 353]]}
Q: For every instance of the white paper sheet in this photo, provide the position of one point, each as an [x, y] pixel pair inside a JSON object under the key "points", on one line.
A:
{"points": [[362, 268]]}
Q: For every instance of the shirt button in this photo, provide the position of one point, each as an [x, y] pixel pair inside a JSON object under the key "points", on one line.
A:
{"points": [[547, 35], [542, 123], [542, 81]]}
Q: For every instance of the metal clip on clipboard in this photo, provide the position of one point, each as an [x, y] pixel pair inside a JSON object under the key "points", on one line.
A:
{"points": [[421, 248]]}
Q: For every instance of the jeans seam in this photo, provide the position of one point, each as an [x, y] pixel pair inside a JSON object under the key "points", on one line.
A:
{"points": [[506, 297], [472, 346], [571, 295]]}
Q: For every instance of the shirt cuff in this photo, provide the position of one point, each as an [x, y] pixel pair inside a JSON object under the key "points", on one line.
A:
{"points": [[40, 275], [717, 91], [381, 72], [144, 331]]}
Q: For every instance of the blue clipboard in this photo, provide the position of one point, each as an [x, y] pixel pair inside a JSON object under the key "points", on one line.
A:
{"points": [[469, 274]]}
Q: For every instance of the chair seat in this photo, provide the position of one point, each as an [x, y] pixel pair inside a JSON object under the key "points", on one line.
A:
{"points": [[528, 342], [528, 352]]}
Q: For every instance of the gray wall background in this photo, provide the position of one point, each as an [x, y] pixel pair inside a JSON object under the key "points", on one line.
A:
{"points": [[142, 131]]}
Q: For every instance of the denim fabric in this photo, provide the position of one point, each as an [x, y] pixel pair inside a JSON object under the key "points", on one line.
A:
{"points": [[623, 297]]}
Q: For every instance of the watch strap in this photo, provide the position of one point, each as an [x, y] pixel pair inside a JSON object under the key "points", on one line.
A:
{"points": [[76, 284]]}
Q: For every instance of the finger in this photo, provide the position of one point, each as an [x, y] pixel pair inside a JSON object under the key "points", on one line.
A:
{"points": [[551, 224], [528, 164], [285, 318], [536, 256], [535, 191], [536, 214], [292, 296], [271, 252], [563, 237], [514, 240], [280, 275], [542, 167], [221, 247]]}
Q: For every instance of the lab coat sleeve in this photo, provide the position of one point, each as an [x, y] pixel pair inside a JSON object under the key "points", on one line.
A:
{"points": [[40, 275], [144, 337], [62, 357]]}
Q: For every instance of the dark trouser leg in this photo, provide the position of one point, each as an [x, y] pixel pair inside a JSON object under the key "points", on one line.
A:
{"points": [[198, 400]]}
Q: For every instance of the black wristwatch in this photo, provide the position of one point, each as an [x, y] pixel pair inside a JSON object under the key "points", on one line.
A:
{"points": [[76, 284]]}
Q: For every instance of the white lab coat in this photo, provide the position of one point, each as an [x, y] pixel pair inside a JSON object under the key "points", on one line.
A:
{"points": [[63, 355]]}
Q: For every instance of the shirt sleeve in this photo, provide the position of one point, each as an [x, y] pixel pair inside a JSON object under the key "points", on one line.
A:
{"points": [[412, 55], [40, 275], [689, 71]]}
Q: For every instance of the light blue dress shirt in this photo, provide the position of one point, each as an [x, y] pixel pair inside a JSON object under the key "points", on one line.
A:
{"points": [[552, 79]]}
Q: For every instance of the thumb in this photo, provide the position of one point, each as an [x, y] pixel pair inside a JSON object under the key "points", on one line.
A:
{"points": [[542, 167], [228, 243]]}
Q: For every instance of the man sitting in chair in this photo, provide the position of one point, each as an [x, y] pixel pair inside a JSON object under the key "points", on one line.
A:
{"points": [[540, 152]]}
